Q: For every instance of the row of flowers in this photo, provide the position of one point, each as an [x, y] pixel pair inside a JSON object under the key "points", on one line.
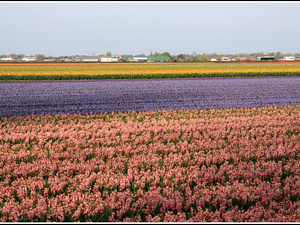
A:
{"points": [[41, 98], [162, 166], [117, 71]]}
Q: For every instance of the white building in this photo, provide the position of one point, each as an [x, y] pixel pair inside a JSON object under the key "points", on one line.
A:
{"points": [[7, 59], [28, 59], [289, 58], [109, 59], [225, 59], [90, 58], [213, 59], [139, 58]]}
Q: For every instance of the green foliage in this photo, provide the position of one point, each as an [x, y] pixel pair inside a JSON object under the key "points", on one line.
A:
{"points": [[90, 156], [166, 54]]}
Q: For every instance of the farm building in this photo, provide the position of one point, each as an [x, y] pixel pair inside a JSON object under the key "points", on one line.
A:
{"points": [[29, 59], [89, 58], [225, 59], [7, 59], [109, 59], [159, 58], [145, 58], [289, 58], [124, 57], [138, 58], [266, 58]]}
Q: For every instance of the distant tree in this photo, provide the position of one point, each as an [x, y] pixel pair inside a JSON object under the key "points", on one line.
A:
{"points": [[214, 55], [278, 55], [203, 57], [174, 58], [180, 56], [40, 57], [260, 53], [166, 54], [108, 54]]}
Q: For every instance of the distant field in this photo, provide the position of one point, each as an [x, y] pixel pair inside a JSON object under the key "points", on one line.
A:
{"points": [[101, 71]]}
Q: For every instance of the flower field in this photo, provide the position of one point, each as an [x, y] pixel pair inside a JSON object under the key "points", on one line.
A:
{"points": [[100, 71], [226, 165], [106, 96]]}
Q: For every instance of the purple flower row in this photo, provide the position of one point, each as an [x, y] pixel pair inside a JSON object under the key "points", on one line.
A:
{"points": [[41, 98]]}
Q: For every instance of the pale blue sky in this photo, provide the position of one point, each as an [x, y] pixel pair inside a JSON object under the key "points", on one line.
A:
{"points": [[70, 28]]}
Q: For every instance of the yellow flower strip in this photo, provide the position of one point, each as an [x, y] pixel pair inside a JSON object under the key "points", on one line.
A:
{"points": [[147, 69]]}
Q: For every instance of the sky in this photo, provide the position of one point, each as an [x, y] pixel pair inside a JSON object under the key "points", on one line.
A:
{"points": [[179, 27]]}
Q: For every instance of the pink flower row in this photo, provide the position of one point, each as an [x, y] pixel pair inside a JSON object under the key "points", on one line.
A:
{"points": [[187, 165]]}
